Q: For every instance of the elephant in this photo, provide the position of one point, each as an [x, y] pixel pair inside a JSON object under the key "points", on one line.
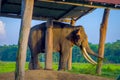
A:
{"points": [[64, 37]]}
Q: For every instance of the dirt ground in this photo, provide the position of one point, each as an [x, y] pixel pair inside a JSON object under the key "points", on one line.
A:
{"points": [[51, 75]]}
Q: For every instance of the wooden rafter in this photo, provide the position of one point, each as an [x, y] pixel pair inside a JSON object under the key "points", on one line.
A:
{"points": [[85, 13], [86, 4]]}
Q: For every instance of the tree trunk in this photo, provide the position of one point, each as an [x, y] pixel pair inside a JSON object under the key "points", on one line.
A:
{"points": [[103, 31], [49, 45], [27, 9], [69, 65]]}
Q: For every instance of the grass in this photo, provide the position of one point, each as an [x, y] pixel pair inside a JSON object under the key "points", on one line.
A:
{"points": [[108, 70], [9, 67]]}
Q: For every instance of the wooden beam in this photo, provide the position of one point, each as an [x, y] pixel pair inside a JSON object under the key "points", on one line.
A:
{"points": [[49, 45], [69, 66], [103, 31], [95, 5], [27, 10], [85, 13]]}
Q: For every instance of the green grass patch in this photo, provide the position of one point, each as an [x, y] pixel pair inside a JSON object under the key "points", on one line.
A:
{"points": [[9, 67], [108, 70]]}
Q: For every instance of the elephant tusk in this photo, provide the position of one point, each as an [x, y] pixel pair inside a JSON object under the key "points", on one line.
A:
{"points": [[87, 57]]}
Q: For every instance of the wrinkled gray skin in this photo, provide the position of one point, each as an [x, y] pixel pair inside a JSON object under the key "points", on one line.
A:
{"points": [[64, 37]]}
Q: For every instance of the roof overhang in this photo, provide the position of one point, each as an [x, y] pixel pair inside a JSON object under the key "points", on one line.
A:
{"points": [[56, 9]]}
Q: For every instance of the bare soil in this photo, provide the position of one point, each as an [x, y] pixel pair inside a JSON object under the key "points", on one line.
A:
{"points": [[51, 75]]}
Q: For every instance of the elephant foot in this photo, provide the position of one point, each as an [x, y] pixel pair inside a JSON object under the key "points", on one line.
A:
{"points": [[48, 69], [37, 67], [61, 69]]}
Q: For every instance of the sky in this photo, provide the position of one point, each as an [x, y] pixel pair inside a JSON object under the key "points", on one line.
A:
{"points": [[9, 27]]}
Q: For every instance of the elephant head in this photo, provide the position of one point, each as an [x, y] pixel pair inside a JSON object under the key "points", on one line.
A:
{"points": [[79, 38]]}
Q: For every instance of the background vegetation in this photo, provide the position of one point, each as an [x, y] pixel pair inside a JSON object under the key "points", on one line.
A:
{"points": [[112, 53]]}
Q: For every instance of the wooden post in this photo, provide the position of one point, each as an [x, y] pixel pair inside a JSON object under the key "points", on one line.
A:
{"points": [[49, 45], [27, 9], [103, 31], [69, 66], [72, 22]]}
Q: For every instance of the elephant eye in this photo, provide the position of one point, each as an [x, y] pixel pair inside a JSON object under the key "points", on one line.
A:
{"points": [[78, 36]]}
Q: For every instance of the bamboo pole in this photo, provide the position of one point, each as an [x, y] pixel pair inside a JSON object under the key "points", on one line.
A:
{"points": [[49, 45], [27, 10], [69, 66], [103, 31]]}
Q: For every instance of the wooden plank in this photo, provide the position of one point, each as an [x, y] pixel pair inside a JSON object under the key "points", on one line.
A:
{"points": [[103, 31], [49, 45], [27, 10]]}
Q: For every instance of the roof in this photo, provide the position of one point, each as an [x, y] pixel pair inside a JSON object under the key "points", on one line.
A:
{"points": [[43, 9]]}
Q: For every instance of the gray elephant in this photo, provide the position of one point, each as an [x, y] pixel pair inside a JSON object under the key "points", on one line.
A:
{"points": [[64, 37]]}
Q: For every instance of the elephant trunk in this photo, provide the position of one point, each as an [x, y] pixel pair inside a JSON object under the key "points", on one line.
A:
{"points": [[88, 49]]}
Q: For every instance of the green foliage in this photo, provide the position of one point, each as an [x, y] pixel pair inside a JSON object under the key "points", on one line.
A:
{"points": [[8, 52], [112, 53]]}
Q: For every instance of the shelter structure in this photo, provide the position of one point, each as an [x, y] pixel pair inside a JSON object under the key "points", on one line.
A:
{"points": [[50, 10]]}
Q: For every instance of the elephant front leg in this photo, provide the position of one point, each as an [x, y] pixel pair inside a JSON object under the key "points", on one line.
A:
{"points": [[34, 63], [63, 59]]}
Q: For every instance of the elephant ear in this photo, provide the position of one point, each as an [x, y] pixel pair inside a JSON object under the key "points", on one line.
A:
{"points": [[70, 36], [78, 34], [81, 33]]}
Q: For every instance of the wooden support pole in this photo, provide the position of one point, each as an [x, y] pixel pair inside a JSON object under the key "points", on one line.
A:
{"points": [[72, 22], [27, 10], [103, 31], [49, 44], [69, 66]]}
